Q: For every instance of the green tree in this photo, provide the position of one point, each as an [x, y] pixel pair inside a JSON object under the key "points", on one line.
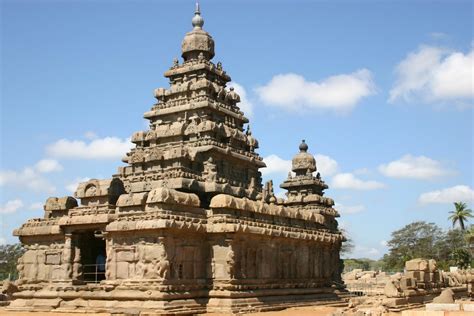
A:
{"points": [[470, 235], [9, 255], [461, 214], [348, 245], [415, 240], [461, 258], [452, 239]]}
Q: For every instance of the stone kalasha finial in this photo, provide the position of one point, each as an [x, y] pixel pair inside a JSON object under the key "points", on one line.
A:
{"points": [[303, 163], [303, 146], [197, 41], [197, 20]]}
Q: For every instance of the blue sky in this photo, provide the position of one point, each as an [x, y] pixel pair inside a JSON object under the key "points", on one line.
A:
{"points": [[382, 91]]}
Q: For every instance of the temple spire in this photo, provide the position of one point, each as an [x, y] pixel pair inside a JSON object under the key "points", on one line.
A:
{"points": [[197, 42]]}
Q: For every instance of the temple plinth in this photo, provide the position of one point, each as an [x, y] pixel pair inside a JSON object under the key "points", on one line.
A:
{"points": [[186, 225]]}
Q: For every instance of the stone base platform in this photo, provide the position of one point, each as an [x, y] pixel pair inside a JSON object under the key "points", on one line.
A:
{"points": [[152, 303]]}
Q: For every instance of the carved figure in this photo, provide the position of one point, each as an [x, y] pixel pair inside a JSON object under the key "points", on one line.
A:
{"points": [[232, 98], [175, 63], [210, 170]]}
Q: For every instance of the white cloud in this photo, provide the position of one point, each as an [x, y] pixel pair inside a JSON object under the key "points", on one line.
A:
{"points": [[3, 241], [36, 206], [383, 243], [11, 206], [71, 187], [48, 165], [449, 195], [326, 165], [339, 93], [31, 177], [101, 148], [245, 105], [346, 209], [91, 135], [276, 165], [434, 75], [27, 178], [350, 181], [413, 167]]}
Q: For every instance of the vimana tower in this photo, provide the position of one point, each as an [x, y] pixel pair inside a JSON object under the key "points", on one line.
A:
{"points": [[186, 225]]}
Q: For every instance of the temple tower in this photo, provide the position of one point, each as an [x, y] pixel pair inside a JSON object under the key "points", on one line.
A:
{"points": [[196, 141]]}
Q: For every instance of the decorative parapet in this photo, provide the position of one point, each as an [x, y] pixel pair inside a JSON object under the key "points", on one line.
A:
{"points": [[56, 207], [38, 227], [168, 220], [95, 192], [132, 202], [310, 199], [88, 218], [232, 225], [169, 196], [224, 201]]}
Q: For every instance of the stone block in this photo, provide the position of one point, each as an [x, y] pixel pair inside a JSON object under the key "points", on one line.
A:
{"points": [[443, 307], [407, 283], [423, 313], [468, 307], [417, 265], [420, 276], [432, 265]]}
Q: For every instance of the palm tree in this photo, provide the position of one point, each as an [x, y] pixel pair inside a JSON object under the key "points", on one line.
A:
{"points": [[460, 214]]}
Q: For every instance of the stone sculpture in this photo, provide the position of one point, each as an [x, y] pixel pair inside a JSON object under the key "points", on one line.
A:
{"points": [[186, 226]]}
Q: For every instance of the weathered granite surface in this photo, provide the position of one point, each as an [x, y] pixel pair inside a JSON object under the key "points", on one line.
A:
{"points": [[186, 226]]}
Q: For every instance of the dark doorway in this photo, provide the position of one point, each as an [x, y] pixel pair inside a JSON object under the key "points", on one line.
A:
{"points": [[93, 256]]}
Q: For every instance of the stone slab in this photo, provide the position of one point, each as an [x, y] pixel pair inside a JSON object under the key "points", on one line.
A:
{"points": [[443, 307], [435, 313], [468, 307]]}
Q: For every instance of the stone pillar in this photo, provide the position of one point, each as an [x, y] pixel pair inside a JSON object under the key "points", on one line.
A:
{"points": [[110, 258], [67, 257], [327, 269], [76, 262], [318, 262]]}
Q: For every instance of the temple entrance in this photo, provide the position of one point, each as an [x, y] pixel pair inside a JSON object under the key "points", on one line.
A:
{"points": [[93, 256]]}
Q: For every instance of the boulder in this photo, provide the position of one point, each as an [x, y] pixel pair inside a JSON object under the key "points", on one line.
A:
{"points": [[446, 297]]}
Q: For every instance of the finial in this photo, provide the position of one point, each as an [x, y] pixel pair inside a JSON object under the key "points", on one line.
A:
{"points": [[197, 20], [303, 146], [249, 132], [197, 11]]}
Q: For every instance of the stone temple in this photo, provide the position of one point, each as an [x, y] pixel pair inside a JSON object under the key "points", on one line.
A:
{"points": [[186, 226]]}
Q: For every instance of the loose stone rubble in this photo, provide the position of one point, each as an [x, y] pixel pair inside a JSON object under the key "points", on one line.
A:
{"points": [[421, 283], [186, 226], [7, 289]]}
